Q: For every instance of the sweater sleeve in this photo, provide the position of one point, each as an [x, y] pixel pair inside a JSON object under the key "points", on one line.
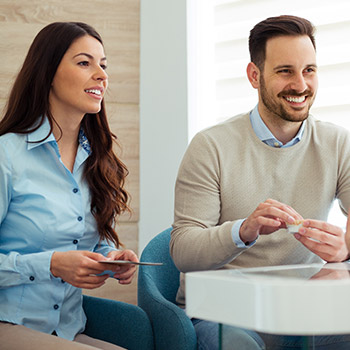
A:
{"points": [[199, 241]]}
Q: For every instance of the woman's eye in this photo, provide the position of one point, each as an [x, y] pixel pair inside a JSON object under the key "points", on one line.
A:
{"points": [[103, 66], [83, 63]]}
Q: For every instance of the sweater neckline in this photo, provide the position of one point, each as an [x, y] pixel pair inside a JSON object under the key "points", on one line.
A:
{"points": [[305, 137]]}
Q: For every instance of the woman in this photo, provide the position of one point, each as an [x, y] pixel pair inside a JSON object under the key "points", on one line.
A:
{"points": [[61, 185]]}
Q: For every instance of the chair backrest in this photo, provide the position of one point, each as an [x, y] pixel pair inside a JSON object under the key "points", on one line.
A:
{"points": [[157, 289], [165, 277]]}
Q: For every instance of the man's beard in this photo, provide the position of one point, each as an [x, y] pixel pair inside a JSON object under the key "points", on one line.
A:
{"points": [[277, 108]]}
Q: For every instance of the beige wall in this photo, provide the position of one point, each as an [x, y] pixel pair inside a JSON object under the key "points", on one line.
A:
{"points": [[118, 23]]}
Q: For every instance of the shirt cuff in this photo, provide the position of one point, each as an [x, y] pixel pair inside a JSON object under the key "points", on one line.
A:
{"points": [[35, 266], [236, 238]]}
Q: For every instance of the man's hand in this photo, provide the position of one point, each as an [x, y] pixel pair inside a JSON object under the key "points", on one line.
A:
{"points": [[338, 273], [324, 239], [347, 234], [268, 217]]}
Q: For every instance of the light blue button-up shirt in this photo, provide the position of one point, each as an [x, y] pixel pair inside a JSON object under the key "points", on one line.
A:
{"points": [[266, 136], [43, 208]]}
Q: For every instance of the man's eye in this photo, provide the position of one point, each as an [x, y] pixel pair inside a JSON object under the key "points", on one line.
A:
{"points": [[284, 71], [310, 70]]}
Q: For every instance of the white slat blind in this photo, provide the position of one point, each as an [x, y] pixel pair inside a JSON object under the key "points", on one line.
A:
{"points": [[218, 55]]}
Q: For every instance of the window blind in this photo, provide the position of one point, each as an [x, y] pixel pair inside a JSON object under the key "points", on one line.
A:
{"points": [[220, 30]]}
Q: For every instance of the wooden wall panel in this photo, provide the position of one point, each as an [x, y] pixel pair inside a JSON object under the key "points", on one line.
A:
{"points": [[118, 23], [116, 20], [124, 122]]}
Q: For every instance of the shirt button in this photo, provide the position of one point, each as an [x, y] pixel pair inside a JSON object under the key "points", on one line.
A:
{"points": [[75, 241], [276, 144], [55, 306], [32, 278], [75, 190], [80, 218], [62, 281]]}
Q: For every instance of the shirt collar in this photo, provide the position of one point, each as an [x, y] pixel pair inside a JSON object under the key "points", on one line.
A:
{"points": [[44, 130], [266, 136], [39, 135]]}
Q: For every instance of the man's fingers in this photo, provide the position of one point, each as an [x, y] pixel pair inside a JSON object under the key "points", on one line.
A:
{"points": [[323, 226]]}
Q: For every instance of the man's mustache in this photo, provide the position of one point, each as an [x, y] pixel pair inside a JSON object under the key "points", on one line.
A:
{"points": [[295, 93]]}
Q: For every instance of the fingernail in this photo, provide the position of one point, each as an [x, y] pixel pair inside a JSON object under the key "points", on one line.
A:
{"points": [[297, 236], [306, 223], [291, 220], [302, 230]]}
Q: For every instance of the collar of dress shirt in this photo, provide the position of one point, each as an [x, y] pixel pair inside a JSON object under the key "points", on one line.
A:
{"points": [[266, 136], [42, 132], [39, 135]]}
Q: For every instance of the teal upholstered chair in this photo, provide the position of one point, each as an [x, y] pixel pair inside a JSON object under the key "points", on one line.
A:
{"points": [[119, 323], [157, 288]]}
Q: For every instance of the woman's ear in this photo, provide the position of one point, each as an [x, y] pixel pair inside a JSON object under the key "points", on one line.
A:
{"points": [[253, 73]]}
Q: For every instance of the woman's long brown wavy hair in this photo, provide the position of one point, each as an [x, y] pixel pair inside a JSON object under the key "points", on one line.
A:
{"points": [[28, 104]]}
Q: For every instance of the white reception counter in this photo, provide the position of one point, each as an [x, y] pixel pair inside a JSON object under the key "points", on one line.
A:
{"points": [[293, 299]]}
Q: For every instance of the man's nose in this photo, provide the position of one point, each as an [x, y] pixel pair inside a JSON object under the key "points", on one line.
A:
{"points": [[298, 83]]}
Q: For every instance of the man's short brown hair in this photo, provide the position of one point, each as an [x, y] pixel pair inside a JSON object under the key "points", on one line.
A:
{"points": [[273, 27]]}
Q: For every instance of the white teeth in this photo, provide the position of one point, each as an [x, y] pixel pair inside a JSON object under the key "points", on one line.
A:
{"points": [[295, 99], [94, 91]]}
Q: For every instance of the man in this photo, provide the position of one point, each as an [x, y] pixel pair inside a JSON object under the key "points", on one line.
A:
{"points": [[242, 181]]}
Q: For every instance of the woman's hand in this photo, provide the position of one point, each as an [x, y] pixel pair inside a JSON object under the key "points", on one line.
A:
{"points": [[79, 268], [124, 273]]}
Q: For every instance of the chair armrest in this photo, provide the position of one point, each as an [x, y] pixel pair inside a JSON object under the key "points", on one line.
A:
{"points": [[172, 328], [117, 322]]}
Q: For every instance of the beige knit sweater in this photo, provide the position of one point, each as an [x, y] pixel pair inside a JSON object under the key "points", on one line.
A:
{"points": [[227, 171]]}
